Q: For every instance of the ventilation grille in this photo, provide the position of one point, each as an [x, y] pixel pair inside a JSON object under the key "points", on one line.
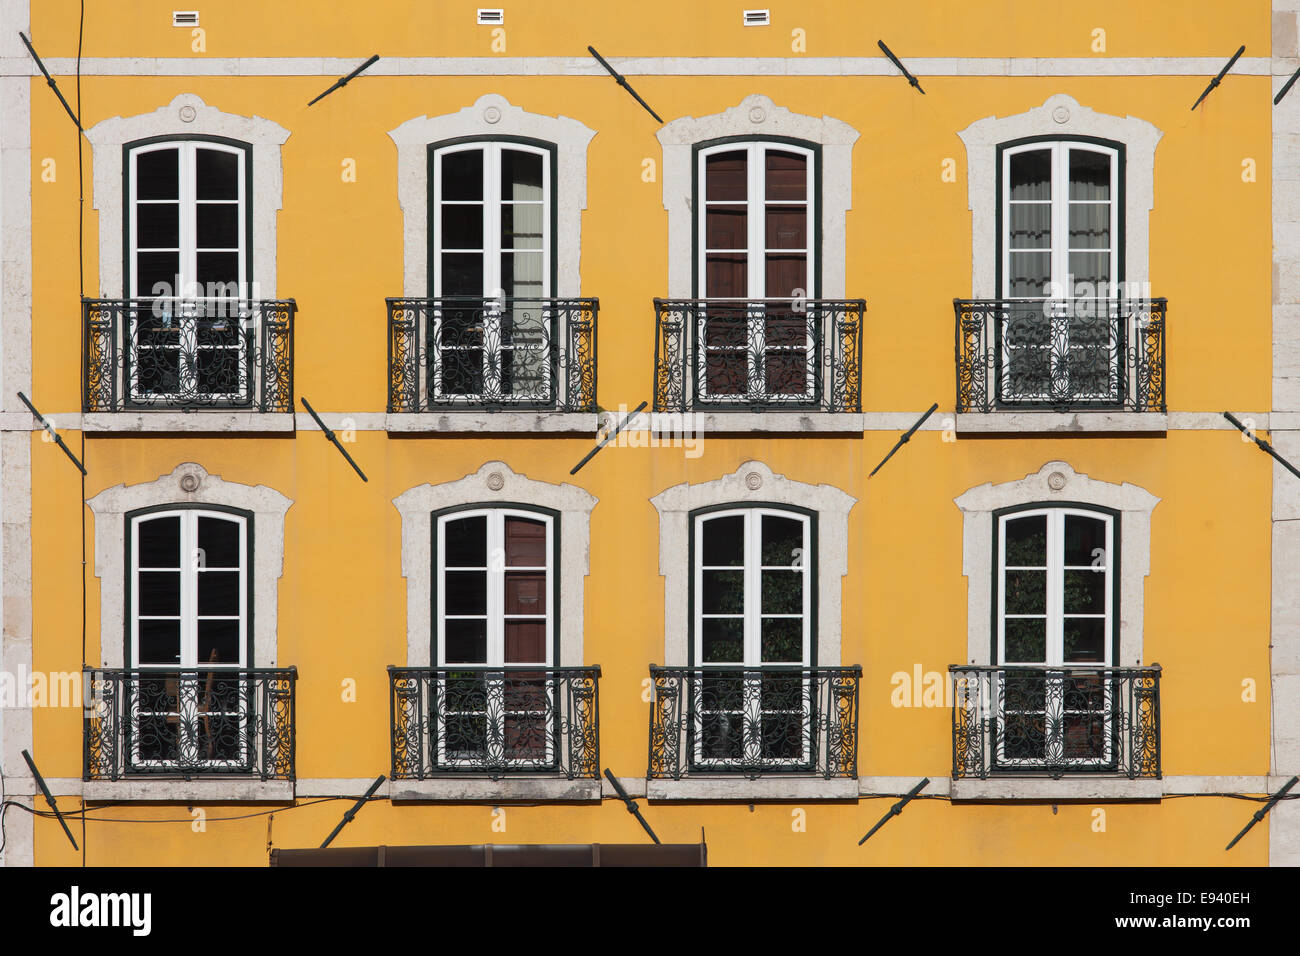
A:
{"points": [[185, 18], [758, 18], [492, 16]]}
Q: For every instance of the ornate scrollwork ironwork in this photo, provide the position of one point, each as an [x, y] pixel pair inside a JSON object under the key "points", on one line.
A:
{"points": [[184, 355], [1056, 720], [492, 354], [216, 721], [745, 355], [1060, 355], [774, 719], [523, 719]]}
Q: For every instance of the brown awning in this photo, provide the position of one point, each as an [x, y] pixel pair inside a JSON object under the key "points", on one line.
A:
{"points": [[496, 854]]}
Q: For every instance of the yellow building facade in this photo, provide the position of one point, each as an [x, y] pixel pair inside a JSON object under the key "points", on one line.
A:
{"points": [[1063, 600]]}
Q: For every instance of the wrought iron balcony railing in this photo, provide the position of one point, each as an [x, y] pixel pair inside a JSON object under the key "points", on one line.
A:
{"points": [[499, 721], [756, 721], [1061, 355], [1054, 721], [210, 722], [748, 355], [162, 354], [492, 354]]}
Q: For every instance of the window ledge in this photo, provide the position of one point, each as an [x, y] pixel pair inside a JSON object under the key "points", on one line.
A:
{"points": [[465, 789], [198, 791], [196, 421], [742, 789], [1061, 422], [1082, 787], [474, 421], [750, 421]]}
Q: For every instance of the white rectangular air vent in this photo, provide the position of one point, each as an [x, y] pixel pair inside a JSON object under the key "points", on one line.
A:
{"points": [[185, 18], [758, 18], [491, 16]]}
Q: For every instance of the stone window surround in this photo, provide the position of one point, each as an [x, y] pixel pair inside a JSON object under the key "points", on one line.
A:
{"points": [[757, 117], [110, 508], [492, 115], [187, 115], [494, 483], [1056, 482], [1060, 115], [753, 483]]}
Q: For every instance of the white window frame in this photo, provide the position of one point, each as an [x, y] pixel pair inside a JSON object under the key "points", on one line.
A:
{"points": [[192, 565], [187, 309], [757, 293], [1054, 667], [493, 293], [752, 711], [1059, 296], [495, 570]]}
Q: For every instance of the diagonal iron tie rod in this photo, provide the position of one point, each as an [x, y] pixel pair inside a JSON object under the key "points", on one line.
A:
{"points": [[1286, 87], [907, 436], [1263, 445], [50, 80], [608, 438], [899, 63], [49, 430], [622, 81], [896, 809], [335, 439], [631, 804], [1219, 79], [343, 80], [1262, 811], [49, 798], [347, 817]]}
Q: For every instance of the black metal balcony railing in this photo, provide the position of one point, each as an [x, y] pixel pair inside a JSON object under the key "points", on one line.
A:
{"points": [[1060, 355], [749, 355], [146, 354], [1053, 720], [754, 721], [522, 719], [492, 354], [190, 723]]}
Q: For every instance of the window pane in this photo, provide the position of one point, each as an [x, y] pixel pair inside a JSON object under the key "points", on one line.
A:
{"points": [[1085, 640], [219, 542], [1089, 174], [218, 269], [216, 174], [465, 543], [726, 275], [159, 542], [787, 176], [156, 174], [1031, 225], [218, 225], [785, 274], [1031, 174], [462, 226], [724, 592], [218, 592], [1025, 641], [525, 542], [521, 274], [726, 227], [787, 227], [525, 592], [782, 541], [525, 642], [1026, 542], [782, 592], [462, 274], [724, 542], [1026, 592], [466, 592], [1091, 267], [156, 273], [466, 642], [1085, 541], [1030, 274], [157, 226], [722, 640], [1089, 225], [724, 176], [782, 640], [462, 174], [1085, 592], [159, 592], [521, 175], [218, 642], [160, 642], [522, 226]]}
